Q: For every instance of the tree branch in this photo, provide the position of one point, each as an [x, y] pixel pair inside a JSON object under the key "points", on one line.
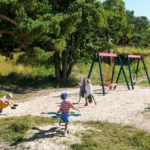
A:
{"points": [[3, 17], [6, 32]]}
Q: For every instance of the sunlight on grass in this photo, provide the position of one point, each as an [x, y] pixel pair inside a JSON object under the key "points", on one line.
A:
{"points": [[15, 128], [19, 76], [132, 50], [110, 136]]}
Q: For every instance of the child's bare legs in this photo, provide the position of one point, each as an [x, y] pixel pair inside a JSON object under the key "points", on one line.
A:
{"points": [[86, 101], [94, 100], [79, 98], [66, 127], [12, 102], [11, 105]]}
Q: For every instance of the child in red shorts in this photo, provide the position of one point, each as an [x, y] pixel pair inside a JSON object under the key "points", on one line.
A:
{"points": [[65, 109]]}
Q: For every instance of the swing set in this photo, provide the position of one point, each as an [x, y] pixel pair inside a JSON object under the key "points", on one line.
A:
{"points": [[133, 77], [113, 60], [113, 57]]}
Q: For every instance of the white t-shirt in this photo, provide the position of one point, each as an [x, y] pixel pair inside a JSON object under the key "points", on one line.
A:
{"points": [[4, 99], [88, 89]]}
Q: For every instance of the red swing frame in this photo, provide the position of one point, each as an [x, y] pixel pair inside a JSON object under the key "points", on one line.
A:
{"points": [[111, 55]]}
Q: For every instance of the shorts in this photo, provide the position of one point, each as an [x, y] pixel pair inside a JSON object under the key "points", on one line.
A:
{"points": [[81, 93], [65, 117], [90, 98]]}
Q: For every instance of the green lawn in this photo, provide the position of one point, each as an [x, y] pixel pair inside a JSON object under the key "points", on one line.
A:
{"points": [[110, 136], [98, 136], [14, 129]]}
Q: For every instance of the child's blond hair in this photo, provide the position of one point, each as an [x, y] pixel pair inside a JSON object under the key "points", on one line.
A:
{"points": [[88, 81], [9, 95]]}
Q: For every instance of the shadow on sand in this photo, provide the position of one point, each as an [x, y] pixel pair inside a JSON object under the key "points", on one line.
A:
{"points": [[42, 134]]}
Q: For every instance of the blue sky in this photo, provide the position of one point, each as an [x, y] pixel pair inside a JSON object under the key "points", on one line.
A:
{"points": [[140, 7]]}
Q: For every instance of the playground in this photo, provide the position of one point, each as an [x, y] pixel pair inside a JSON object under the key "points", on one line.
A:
{"points": [[120, 106], [74, 75], [126, 104], [127, 107]]}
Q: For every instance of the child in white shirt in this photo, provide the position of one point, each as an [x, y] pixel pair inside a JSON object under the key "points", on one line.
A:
{"points": [[89, 93]]}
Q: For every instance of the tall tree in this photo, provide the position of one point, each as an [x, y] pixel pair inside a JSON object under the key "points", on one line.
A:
{"points": [[82, 42], [140, 26], [117, 20]]}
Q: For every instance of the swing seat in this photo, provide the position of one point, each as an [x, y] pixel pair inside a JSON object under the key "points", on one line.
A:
{"points": [[107, 85], [3, 105]]}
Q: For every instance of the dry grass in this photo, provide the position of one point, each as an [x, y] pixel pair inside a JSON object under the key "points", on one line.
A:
{"points": [[132, 50]]}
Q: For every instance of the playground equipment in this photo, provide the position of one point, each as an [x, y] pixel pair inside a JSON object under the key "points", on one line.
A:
{"points": [[98, 58], [58, 115], [133, 77]]}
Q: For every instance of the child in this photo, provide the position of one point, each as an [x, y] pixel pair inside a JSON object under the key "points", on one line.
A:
{"points": [[65, 109], [9, 99], [134, 78], [82, 89], [89, 93]]}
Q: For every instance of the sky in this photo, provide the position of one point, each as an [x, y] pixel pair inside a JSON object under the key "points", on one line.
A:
{"points": [[140, 7]]}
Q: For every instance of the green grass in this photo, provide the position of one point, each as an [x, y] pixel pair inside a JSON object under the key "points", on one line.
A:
{"points": [[110, 136], [3, 93], [15, 129]]}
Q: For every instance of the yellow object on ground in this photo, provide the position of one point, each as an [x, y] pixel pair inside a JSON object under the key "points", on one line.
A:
{"points": [[3, 105]]}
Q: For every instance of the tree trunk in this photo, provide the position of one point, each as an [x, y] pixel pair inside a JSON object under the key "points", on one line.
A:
{"points": [[57, 64], [64, 64], [3, 17], [6, 32], [70, 67], [63, 67]]}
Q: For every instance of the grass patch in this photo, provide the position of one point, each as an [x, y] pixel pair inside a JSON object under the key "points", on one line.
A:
{"points": [[132, 50], [3, 93], [15, 129], [143, 83], [113, 137]]}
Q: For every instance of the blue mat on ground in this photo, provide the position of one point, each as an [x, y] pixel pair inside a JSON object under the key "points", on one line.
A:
{"points": [[59, 115]]}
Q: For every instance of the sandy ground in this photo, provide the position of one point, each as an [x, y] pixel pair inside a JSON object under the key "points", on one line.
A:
{"points": [[120, 106]]}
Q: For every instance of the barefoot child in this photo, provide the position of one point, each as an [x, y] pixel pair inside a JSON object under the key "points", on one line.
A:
{"points": [[65, 109], [89, 93]]}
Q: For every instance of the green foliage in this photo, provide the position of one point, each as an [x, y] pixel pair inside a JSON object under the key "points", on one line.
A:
{"points": [[35, 57], [62, 32], [139, 29], [104, 135], [116, 20]]}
